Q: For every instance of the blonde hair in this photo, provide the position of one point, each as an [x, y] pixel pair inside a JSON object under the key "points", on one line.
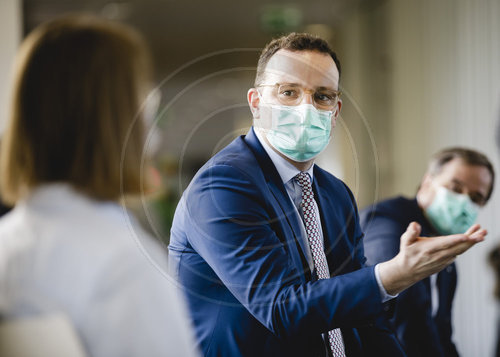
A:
{"points": [[74, 113]]}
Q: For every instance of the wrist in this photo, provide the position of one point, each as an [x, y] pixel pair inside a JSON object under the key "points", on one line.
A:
{"points": [[393, 276]]}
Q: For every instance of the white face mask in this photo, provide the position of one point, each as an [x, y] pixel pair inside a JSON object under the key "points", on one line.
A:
{"points": [[299, 132], [451, 212]]}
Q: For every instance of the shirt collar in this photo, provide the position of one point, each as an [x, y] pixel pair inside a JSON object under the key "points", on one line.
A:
{"points": [[285, 169]]}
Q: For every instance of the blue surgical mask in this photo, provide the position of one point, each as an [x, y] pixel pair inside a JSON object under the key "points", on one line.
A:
{"points": [[451, 212], [299, 132]]}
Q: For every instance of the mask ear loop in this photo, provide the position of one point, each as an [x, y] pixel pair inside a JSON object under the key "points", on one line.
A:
{"points": [[261, 97], [260, 128]]}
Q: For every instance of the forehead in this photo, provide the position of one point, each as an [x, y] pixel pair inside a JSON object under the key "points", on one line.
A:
{"points": [[476, 178], [308, 68]]}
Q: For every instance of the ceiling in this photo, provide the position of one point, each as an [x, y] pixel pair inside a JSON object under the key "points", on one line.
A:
{"points": [[179, 31]]}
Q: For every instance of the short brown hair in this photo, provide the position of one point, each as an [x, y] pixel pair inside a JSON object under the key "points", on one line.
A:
{"points": [[76, 96], [470, 157], [293, 42]]}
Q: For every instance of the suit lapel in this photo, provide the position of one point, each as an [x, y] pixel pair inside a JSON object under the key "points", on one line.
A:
{"points": [[333, 236], [284, 208]]}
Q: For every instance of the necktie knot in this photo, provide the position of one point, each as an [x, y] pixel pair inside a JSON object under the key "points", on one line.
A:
{"points": [[303, 180]]}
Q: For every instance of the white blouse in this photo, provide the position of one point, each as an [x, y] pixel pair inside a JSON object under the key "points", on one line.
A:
{"points": [[61, 251]]}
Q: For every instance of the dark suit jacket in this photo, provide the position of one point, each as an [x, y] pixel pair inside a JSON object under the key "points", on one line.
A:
{"points": [[235, 247], [419, 332]]}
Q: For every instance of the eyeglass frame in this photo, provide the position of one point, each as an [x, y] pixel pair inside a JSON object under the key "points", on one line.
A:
{"points": [[338, 93]]}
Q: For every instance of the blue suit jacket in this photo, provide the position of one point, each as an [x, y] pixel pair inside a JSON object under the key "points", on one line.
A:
{"points": [[236, 250], [419, 332]]}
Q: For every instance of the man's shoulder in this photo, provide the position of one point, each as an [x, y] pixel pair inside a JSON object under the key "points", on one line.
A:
{"points": [[235, 167], [391, 205], [237, 155], [398, 209]]}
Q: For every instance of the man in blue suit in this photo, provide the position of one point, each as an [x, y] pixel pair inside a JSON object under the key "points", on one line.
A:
{"points": [[267, 246], [458, 182]]}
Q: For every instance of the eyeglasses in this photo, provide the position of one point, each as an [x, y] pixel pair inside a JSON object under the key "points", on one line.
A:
{"points": [[292, 94]]}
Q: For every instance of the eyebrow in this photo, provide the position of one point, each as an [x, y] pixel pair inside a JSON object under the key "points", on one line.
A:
{"points": [[476, 193]]}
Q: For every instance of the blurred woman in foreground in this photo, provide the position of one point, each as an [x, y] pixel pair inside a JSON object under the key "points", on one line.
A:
{"points": [[71, 151]]}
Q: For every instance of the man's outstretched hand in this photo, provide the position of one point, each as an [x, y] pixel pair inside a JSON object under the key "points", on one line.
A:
{"points": [[420, 257]]}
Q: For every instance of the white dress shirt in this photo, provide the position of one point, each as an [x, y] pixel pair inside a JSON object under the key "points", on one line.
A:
{"points": [[62, 252], [434, 294], [287, 173]]}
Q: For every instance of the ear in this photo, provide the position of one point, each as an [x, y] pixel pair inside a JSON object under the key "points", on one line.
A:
{"points": [[336, 111], [425, 193], [426, 181], [253, 98]]}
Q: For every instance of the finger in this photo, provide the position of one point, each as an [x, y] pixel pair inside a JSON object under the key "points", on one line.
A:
{"points": [[444, 243], [459, 248], [445, 256], [479, 235], [462, 247], [472, 229], [411, 234]]}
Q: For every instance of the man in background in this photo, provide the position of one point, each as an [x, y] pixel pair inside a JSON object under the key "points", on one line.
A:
{"points": [[458, 183]]}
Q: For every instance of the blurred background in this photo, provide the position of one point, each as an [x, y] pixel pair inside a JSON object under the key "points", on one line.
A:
{"points": [[418, 75]]}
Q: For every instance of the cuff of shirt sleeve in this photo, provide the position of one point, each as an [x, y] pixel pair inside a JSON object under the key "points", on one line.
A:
{"points": [[383, 293]]}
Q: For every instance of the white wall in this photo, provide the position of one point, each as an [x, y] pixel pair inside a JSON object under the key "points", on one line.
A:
{"points": [[10, 36], [446, 91]]}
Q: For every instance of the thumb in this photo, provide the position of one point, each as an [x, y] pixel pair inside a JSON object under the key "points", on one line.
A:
{"points": [[411, 235]]}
